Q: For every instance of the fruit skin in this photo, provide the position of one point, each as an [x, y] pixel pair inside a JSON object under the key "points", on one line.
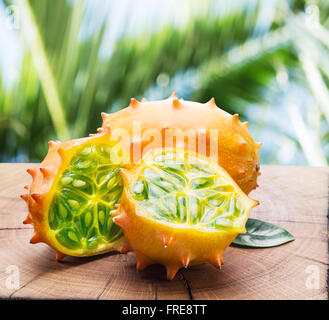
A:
{"points": [[237, 151], [173, 246], [40, 194]]}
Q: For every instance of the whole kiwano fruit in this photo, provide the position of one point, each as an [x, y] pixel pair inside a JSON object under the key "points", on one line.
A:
{"points": [[202, 128], [180, 209]]}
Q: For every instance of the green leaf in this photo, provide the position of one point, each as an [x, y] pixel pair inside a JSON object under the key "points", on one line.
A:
{"points": [[262, 234]]}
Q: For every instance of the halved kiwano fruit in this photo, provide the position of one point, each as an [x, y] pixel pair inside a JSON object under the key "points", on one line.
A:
{"points": [[70, 207], [180, 209]]}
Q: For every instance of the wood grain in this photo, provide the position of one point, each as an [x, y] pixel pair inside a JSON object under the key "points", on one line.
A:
{"points": [[295, 198]]}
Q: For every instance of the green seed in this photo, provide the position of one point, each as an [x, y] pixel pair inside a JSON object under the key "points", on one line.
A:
{"points": [[199, 183], [62, 211], [239, 208], [154, 191], [68, 238], [92, 244], [138, 188], [111, 182], [195, 208], [225, 188], [208, 215], [73, 203], [101, 216], [222, 222], [84, 164], [52, 221], [66, 180], [182, 208], [238, 204], [73, 236], [78, 183], [232, 205], [86, 151], [168, 204], [88, 218], [216, 201]]}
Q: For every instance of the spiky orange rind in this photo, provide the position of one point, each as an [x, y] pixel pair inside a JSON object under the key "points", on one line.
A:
{"points": [[226, 140], [182, 212]]}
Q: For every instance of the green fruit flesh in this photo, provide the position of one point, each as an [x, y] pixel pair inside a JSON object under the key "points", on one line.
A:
{"points": [[86, 192], [180, 188]]}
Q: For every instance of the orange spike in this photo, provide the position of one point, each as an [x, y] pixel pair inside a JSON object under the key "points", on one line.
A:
{"points": [[171, 272], [104, 115], [120, 220], [133, 103], [115, 212], [32, 172], [27, 220], [144, 100], [186, 261], [212, 102], [61, 153], [258, 144], [53, 144], [60, 256], [37, 197], [176, 103], [217, 261], [167, 240], [107, 129], [173, 95], [246, 124], [235, 118], [242, 141], [163, 130], [46, 172], [103, 130], [142, 262], [126, 248], [242, 172], [26, 187], [25, 197], [35, 239]]}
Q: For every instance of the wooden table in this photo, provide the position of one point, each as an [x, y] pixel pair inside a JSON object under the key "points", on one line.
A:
{"points": [[295, 198]]}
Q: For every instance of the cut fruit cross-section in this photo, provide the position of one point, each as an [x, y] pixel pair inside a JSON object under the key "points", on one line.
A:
{"points": [[72, 193], [179, 208]]}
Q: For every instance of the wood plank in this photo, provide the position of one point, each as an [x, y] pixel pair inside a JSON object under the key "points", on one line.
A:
{"points": [[295, 198], [13, 178]]}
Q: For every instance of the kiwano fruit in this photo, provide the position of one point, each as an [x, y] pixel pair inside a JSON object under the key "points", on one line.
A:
{"points": [[77, 184], [180, 209], [73, 190], [216, 134]]}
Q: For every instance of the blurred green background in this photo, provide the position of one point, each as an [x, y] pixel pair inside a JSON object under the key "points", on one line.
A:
{"points": [[63, 62]]}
